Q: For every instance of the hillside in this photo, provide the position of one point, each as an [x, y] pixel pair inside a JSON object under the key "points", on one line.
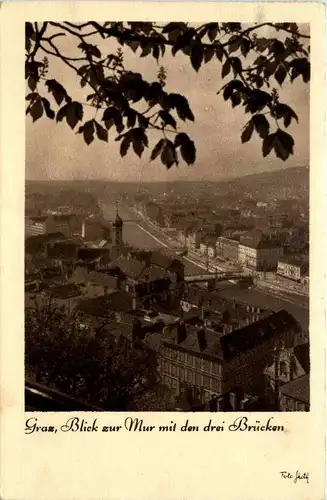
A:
{"points": [[288, 182]]}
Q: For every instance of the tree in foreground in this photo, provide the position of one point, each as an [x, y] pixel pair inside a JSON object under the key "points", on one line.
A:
{"points": [[251, 66], [90, 364]]}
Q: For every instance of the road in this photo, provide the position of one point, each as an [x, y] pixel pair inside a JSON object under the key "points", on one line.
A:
{"points": [[142, 235]]}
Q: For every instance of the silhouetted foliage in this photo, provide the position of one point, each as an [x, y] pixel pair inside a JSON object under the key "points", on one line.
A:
{"points": [[251, 63], [88, 363]]}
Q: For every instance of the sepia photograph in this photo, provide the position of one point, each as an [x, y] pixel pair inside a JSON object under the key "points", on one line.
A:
{"points": [[167, 171]]}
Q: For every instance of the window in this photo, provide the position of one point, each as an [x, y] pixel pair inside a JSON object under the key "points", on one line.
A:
{"points": [[282, 368], [206, 365], [182, 374], [197, 363], [182, 357], [216, 386], [206, 382], [216, 368], [198, 379], [190, 376], [173, 370]]}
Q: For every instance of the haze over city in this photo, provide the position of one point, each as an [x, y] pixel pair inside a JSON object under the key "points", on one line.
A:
{"points": [[54, 152]]}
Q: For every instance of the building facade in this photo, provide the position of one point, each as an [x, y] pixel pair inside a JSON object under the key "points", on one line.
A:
{"points": [[292, 269], [260, 254], [227, 248], [35, 226]]}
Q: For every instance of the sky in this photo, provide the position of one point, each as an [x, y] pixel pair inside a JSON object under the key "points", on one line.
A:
{"points": [[54, 152]]}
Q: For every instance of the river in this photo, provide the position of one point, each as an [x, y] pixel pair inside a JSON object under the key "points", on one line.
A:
{"points": [[141, 237]]}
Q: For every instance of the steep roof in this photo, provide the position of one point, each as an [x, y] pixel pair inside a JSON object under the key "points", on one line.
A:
{"points": [[87, 253], [152, 273], [302, 354], [246, 338], [101, 306], [257, 241], [132, 268], [61, 250], [191, 341], [298, 388]]}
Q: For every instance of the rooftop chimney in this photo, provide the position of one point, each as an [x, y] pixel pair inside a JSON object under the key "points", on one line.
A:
{"points": [[202, 339], [181, 332]]}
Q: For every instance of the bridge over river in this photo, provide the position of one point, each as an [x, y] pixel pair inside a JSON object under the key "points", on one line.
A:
{"points": [[200, 278], [136, 232]]}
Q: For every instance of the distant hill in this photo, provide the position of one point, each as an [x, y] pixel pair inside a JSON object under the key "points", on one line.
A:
{"points": [[284, 183], [287, 182]]}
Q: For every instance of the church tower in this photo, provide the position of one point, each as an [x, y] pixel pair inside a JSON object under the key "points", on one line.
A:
{"points": [[118, 232]]}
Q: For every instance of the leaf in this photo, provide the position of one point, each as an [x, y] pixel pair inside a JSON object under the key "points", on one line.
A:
{"points": [[32, 82], [62, 113], [57, 90], [156, 52], [256, 101], [247, 132], [143, 121], [259, 61], [174, 26], [134, 45], [168, 155], [82, 70], [197, 56], [157, 149], [219, 54], [36, 110], [234, 44], [212, 31], [180, 139], [268, 144], [300, 67], [236, 99], [131, 118], [277, 47], [188, 152], [187, 146], [208, 54], [245, 46], [125, 144], [180, 103], [74, 114], [32, 96], [167, 118], [270, 69], [231, 87], [102, 133], [261, 125], [280, 74], [283, 144], [285, 112], [48, 111], [138, 146], [88, 132], [110, 113], [173, 36], [29, 32], [225, 69], [109, 123], [90, 49], [146, 50]]}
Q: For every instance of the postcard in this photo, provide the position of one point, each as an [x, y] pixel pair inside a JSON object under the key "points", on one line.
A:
{"points": [[163, 230]]}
